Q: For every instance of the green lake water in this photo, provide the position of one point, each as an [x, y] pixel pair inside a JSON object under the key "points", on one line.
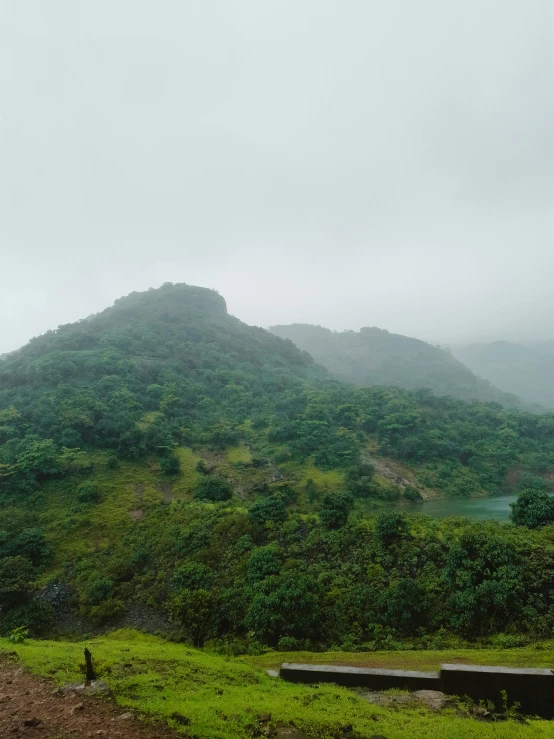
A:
{"points": [[495, 509]]}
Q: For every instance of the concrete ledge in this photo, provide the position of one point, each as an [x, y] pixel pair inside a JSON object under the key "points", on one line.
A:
{"points": [[532, 688], [363, 677]]}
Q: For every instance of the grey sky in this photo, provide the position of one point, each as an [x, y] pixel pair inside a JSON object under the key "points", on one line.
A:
{"points": [[345, 162]]}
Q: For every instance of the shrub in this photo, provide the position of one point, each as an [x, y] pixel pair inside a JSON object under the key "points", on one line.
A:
{"points": [[88, 492], [289, 644], [170, 464], [36, 615], [18, 635], [413, 495], [213, 488], [16, 578]]}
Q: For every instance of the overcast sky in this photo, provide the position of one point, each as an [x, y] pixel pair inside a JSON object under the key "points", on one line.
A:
{"points": [[344, 162]]}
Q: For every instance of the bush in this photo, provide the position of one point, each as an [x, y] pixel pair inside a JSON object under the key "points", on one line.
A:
{"points": [[289, 644], [88, 492], [413, 495], [29, 543], [170, 464], [16, 578], [202, 467], [37, 617], [213, 488], [18, 635], [112, 462], [107, 611]]}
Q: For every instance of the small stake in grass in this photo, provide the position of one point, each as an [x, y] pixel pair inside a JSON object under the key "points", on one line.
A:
{"points": [[90, 675]]}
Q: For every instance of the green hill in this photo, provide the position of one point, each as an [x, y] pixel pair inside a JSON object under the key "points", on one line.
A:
{"points": [[373, 356], [525, 369], [164, 465]]}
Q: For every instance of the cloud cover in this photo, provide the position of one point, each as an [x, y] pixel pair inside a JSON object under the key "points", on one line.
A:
{"points": [[344, 163]]}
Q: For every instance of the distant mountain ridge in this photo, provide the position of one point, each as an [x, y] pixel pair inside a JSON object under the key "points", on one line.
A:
{"points": [[526, 369], [374, 356]]}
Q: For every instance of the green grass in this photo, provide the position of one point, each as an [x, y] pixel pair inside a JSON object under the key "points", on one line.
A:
{"points": [[124, 491], [330, 481], [223, 697], [239, 454], [188, 477], [541, 655]]}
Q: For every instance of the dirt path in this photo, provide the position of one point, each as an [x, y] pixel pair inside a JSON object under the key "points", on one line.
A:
{"points": [[30, 707]]}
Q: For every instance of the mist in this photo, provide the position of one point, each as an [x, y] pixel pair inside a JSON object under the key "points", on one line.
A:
{"points": [[346, 164]]}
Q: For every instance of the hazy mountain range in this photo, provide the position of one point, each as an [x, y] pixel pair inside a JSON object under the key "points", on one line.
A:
{"points": [[373, 356]]}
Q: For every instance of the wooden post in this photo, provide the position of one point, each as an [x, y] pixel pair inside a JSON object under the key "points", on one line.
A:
{"points": [[90, 670]]}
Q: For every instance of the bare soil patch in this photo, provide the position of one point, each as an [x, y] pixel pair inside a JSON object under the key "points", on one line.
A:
{"points": [[31, 707]]}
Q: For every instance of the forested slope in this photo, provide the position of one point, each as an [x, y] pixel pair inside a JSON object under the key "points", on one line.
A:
{"points": [[373, 356], [164, 457]]}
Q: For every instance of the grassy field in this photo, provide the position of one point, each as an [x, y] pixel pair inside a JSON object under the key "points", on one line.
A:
{"points": [[223, 697]]}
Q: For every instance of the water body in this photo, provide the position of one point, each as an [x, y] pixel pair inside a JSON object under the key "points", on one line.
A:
{"points": [[494, 509]]}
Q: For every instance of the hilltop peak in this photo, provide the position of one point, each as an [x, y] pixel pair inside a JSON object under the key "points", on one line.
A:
{"points": [[171, 297]]}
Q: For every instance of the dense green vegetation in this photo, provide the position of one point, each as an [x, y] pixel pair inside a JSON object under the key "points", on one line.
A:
{"points": [[163, 457], [227, 698], [525, 369], [373, 356]]}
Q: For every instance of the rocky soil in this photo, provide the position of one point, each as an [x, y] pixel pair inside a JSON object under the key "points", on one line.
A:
{"points": [[31, 707]]}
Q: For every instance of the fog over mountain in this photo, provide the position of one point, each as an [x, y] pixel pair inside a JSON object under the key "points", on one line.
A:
{"points": [[373, 356], [524, 369], [343, 164]]}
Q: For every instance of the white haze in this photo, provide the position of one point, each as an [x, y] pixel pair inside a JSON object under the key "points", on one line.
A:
{"points": [[343, 163]]}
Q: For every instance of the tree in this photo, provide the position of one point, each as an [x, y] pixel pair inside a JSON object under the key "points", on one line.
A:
{"points": [[263, 561], [170, 464], [213, 488], [484, 577], [271, 509], [404, 606], [29, 543], [40, 458], [391, 528], [194, 610], [533, 508], [284, 605], [360, 483], [335, 509], [193, 576]]}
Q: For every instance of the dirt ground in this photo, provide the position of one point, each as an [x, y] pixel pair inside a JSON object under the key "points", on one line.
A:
{"points": [[30, 707]]}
